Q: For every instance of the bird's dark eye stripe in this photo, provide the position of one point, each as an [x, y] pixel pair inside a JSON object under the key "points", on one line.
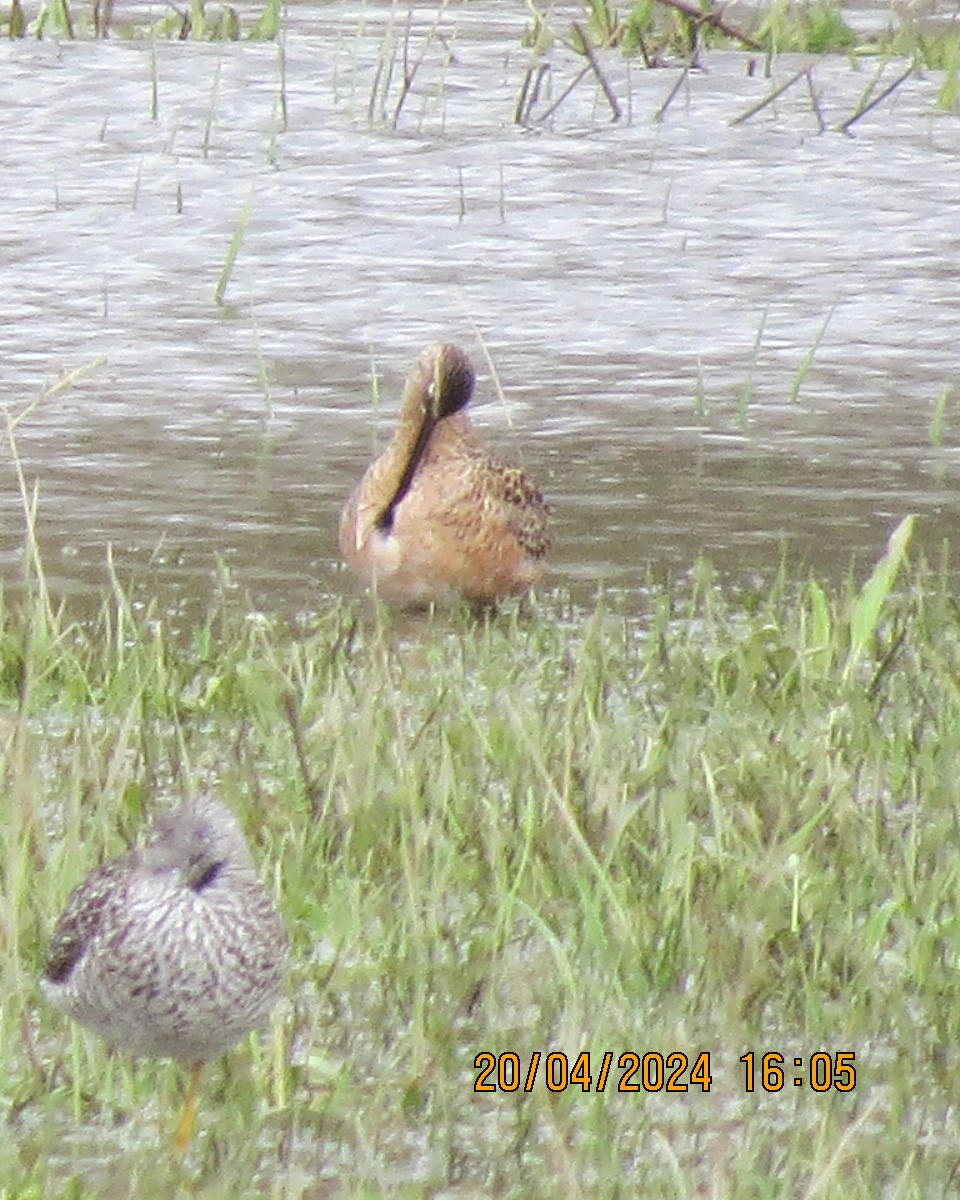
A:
{"points": [[207, 876]]}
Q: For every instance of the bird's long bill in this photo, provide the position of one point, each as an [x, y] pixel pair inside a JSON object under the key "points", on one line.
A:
{"points": [[385, 521]]}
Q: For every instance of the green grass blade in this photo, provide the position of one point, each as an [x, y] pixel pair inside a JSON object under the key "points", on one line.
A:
{"points": [[236, 241], [873, 594]]}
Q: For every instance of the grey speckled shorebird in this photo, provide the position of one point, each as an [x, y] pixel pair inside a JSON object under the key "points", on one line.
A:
{"points": [[436, 516], [174, 950]]}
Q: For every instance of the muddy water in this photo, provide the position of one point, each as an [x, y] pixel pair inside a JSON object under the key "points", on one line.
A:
{"points": [[710, 337]]}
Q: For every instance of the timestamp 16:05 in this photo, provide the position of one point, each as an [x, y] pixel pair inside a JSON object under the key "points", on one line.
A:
{"points": [[654, 1072], [823, 1071]]}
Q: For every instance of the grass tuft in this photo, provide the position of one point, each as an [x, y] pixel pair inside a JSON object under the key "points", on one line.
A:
{"points": [[730, 825]]}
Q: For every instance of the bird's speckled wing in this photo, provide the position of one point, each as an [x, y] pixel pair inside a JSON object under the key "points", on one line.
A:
{"points": [[80, 920], [525, 509], [484, 494]]}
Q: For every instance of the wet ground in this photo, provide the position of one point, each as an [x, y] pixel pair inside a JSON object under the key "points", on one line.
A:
{"points": [[711, 338]]}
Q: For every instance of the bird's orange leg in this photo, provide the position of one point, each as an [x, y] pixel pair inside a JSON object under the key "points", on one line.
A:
{"points": [[184, 1131]]}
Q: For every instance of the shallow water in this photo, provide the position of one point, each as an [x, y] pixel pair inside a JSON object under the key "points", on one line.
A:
{"points": [[650, 291]]}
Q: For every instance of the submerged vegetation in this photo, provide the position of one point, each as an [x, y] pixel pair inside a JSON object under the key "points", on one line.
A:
{"points": [[727, 827], [197, 21], [658, 31]]}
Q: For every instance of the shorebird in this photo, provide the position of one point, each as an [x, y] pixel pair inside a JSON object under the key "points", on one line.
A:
{"points": [[174, 950], [436, 517]]}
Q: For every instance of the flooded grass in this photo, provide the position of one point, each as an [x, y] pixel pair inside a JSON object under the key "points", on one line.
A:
{"points": [[727, 827], [665, 33], [197, 21]]}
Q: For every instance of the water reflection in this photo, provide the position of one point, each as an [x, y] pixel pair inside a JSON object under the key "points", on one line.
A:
{"points": [[710, 338]]}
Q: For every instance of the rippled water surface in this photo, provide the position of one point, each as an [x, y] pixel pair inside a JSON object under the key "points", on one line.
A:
{"points": [[709, 337]]}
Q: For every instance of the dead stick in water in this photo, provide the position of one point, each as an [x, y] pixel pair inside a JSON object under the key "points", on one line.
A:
{"points": [[662, 110], [752, 112], [712, 18], [862, 112], [529, 92], [815, 102], [563, 95], [592, 59], [410, 72]]}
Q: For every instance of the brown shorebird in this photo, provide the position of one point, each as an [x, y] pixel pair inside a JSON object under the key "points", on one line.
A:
{"points": [[175, 950], [435, 516]]}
